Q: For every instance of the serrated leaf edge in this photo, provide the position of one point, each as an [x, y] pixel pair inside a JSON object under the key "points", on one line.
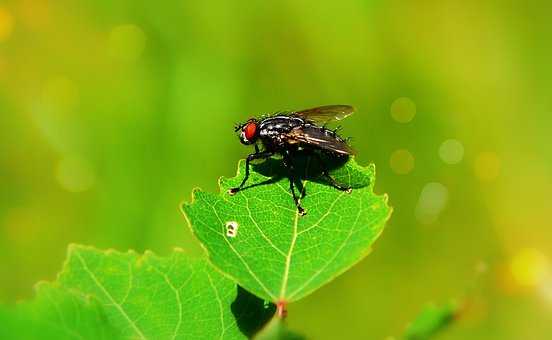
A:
{"points": [[370, 169]]}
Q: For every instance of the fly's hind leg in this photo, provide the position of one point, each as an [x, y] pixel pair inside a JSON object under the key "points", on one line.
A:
{"points": [[329, 178], [335, 184]]}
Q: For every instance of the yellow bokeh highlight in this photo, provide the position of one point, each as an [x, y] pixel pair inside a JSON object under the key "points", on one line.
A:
{"points": [[403, 110], [6, 24], [530, 267], [487, 166], [401, 162]]}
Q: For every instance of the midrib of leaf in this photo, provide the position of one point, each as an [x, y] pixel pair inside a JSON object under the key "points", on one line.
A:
{"points": [[108, 295], [291, 246], [321, 270], [287, 267]]}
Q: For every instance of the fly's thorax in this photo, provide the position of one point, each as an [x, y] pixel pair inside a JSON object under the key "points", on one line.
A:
{"points": [[280, 124], [273, 130]]}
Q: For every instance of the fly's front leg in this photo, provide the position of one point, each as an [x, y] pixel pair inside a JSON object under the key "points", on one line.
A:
{"points": [[257, 155], [291, 176]]}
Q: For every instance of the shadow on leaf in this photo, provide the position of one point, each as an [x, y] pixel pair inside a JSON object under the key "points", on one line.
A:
{"points": [[309, 166], [251, 313]]}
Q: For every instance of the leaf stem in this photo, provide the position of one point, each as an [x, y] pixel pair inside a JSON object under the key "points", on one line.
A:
{"points": [[281, 310]]}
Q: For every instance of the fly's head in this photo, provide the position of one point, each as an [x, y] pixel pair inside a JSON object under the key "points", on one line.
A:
{"points": [[249, 131]]}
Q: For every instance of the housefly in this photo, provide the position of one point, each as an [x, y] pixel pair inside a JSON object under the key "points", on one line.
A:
{"points": [[287, 133]]}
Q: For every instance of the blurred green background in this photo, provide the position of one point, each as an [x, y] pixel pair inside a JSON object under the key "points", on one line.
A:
{"points": [[112, 111]]}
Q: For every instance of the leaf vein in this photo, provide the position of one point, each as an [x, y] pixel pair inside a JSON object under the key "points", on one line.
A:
{"points": [[108, 295], [318, 272], [290, 251], [220, 305], [238, 254]]}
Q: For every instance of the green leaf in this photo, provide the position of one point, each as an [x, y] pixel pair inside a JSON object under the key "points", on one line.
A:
{"points": [[56, 314], [276, 253], [431, 320], [124, 295]]}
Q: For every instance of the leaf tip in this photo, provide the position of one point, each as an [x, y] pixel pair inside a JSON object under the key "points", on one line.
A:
{"points": [[72, 247], [38, 286]]}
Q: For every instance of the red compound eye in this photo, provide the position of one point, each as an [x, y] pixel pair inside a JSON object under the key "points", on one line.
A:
{"points": [[249, 130]]}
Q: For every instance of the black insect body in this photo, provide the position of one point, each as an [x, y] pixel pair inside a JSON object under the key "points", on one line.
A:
{"points": [[288, 133]]}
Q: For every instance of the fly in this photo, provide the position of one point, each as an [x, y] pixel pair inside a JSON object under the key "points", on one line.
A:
{"points": [[289, 132]]}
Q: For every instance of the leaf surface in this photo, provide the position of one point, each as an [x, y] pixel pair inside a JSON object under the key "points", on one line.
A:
{"points": [[56, 313], [108, 294], [258, 238]]}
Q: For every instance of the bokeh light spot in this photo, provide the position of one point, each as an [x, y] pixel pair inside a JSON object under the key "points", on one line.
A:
{"points": [[75, 174], [127, 42], [6, 24], [530, 267], [487, 166], [403, 110], [432, 201], [401, 162], [451, 151]]}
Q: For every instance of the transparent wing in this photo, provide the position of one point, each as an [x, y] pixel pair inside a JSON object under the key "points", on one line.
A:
{"points": [[321, 138], [325, 114]]}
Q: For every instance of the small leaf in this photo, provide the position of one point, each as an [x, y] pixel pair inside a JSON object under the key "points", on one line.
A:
{"points": [[431, 320], [276, 329], [124, 295], [258, 238]]}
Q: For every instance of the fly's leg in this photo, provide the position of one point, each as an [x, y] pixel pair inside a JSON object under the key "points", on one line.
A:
{"points": [[291, 176], [329, 178], [257, 155], [335, 184]]}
